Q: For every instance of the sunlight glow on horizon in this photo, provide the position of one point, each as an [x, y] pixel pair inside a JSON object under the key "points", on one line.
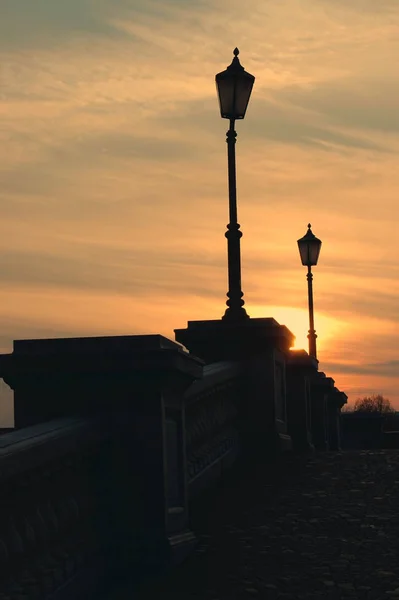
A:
{"points": [[114, 183], [297, 321]]}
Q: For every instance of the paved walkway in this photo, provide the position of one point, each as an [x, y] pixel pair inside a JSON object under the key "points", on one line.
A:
{"points": [[320, 527]]}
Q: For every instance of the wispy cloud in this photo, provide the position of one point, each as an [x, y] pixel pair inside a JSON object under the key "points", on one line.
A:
{"points": [[389, 368], [113, 184]]}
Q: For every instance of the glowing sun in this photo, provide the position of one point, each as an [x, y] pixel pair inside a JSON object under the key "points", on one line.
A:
{"points": [[297, 321]]}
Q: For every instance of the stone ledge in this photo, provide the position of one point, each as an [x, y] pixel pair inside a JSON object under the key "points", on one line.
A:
{"points": [[217, 340]]}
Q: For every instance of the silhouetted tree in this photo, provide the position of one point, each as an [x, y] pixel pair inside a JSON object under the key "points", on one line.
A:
{"points": [[374, 404]]}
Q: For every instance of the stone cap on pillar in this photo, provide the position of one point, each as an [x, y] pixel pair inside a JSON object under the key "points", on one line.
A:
{"points": [[94, 345], [112, 355], [337, 397], [218, 340], [321, 380], [302, 360]]}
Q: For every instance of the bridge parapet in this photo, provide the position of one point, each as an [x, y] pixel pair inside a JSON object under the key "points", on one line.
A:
{"points": [[260, 345], [52, 502], [136, 384], [212, 410], [148, 426], [301, 369]]}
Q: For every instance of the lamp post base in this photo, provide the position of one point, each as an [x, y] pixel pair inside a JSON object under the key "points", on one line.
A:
{"points": [[235, 315]]}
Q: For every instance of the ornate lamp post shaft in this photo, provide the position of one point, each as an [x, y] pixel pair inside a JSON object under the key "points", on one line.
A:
{"points": [[235, 303], [234, 89], [312, 333]]}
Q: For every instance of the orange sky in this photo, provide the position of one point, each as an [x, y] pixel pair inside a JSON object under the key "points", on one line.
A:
{"points": [[113, 172]]}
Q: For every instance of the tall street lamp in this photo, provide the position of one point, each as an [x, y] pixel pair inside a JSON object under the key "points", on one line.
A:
{"points": [[234, 89], [309, 249]]}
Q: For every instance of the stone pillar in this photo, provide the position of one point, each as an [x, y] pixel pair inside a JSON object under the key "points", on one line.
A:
{"points": [[301, 368], [261, 345], [335, 401], [138, 382], [332, 434], [321, 386], [343, 399]]}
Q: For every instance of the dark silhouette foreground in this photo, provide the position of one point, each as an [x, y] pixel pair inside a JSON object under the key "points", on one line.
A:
{"points": [[322, 526]]}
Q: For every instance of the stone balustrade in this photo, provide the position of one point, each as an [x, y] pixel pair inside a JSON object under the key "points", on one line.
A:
{"points": [[212, 408], [335, 401], [136, 383], [260, 345], [321, 387], [114, 436], [301, 370], [53, 498]]}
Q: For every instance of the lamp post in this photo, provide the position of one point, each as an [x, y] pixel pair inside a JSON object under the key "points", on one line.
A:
{"points": [[309, 249], [234, 88]]}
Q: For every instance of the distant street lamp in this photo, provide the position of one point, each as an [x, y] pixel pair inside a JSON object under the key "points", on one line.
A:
{"points": [[234, 89], [309, 250]]}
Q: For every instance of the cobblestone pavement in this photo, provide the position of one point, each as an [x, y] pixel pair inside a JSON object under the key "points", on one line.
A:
{"points": [[321, 527]]}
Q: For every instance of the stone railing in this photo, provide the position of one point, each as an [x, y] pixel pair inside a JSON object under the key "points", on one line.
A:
{"points": [[314, 405], [114, 436], [212, 431], [93, 497], [135, 384], [53, 534]]}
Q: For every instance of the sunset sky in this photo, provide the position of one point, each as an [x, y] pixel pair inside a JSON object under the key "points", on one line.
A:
{"points": [[113, 171]]}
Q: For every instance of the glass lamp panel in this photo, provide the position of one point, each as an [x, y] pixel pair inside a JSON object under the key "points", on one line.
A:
{"points": [[226, 93], [303, 251], [314, 251], [243, 91]]}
